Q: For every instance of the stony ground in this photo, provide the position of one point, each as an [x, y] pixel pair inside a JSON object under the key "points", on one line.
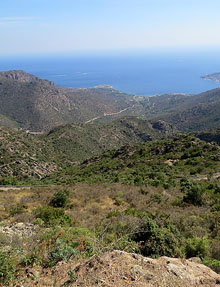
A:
{"points": [[120, 269]]}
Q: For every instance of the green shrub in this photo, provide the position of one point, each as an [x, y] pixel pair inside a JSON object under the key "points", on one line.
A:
{"points": [[30, 259], [177, 202], [8, 180], [53, 216], [196, 247], [62, 244], [193, 192], [62, 250], [217, 189], [60, 199], [138, 180], [143, 191], [8, 269], [156, 197], [212, 263], [155, 240]]}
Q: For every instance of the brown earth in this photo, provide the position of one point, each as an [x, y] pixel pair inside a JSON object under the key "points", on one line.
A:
{"points": [[120, 269]]}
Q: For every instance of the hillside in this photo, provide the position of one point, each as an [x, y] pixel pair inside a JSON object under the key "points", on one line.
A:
{"points": [[39, 105], [188, 113], [36, 104], [156, 162], [78, 142], [157, 198], [32, 157], [212, 135], [23, 157]]}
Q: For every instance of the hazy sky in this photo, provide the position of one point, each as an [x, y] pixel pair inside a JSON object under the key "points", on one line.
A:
{"points": [[39, 26]]}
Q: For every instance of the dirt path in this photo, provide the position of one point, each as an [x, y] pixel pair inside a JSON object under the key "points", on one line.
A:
{"points": [[108, 114], [205, 176]]}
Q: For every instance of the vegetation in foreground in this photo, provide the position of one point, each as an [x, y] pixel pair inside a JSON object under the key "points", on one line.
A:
{"points": [[157, 198]]}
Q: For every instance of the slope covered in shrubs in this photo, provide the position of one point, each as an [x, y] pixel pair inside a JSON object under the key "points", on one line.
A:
{"points": [[157, 198]]}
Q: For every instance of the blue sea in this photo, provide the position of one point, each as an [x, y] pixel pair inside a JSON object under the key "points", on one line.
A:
{"points": [[146, 73]]}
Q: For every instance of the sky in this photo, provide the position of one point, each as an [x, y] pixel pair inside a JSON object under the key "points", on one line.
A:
{"points": [[65, 26]]}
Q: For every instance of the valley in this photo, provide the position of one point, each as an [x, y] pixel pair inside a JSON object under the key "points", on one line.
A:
{"points": [[89, 177]]}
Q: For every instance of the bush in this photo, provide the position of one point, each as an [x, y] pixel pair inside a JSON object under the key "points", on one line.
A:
{"points": [[8, 269], [212, 263], [16, 209], [60, 199], [156, 197], [62, 250], [155, 240], [53, 216], [118, 201], [8, 180], [196, 247], [193, 192], [62, 244], [138, 180]]}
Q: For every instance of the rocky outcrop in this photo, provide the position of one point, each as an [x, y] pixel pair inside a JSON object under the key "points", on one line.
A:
{"points": [[19, 229], [119, 268]]}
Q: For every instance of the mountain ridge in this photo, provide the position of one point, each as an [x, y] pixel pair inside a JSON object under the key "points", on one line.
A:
{"points": [[34, 104]]}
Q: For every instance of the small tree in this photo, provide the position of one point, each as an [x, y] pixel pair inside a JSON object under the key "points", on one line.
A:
{"points": [[60, 199], [194, 194]]}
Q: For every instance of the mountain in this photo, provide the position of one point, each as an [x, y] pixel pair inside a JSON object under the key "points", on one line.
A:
{"points": [[75, 142], [158, 162], [35, 104], [39, 105], [33, 157], [186, 112]]}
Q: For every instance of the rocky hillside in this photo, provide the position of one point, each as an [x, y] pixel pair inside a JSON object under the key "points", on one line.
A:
{"points": [[187, 112], [148, 162], [75, 142], [36, 104], [39, 105], [25, 156]]}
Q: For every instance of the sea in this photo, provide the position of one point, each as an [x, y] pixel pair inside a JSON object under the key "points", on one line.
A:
{"points": [[141, 74]]}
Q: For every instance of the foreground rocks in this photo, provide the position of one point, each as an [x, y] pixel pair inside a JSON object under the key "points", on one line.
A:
{"points": [[124, 269], [121, 269]]}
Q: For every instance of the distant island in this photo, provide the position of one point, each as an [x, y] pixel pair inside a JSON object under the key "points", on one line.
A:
{"points": [[212, 77]]}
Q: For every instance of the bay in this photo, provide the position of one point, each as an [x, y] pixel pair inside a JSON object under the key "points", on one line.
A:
{"points": [[135, 73]]}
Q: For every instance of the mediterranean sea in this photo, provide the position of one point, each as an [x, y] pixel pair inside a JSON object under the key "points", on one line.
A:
{"points": [[135, 73]]}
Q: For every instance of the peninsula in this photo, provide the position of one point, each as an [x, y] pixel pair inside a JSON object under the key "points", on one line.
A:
{"points": [[212, 77]]}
